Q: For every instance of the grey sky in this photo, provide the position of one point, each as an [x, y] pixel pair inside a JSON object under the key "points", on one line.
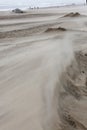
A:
{"points": [[38, 2]]}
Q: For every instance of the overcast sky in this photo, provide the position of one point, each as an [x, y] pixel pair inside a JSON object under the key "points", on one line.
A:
{"points": [[39, 2]]}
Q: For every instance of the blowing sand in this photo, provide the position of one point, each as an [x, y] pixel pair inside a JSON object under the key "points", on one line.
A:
{"points": [[43, 69]]}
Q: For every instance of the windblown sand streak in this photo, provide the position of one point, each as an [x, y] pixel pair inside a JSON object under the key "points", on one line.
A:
{"points": [[60, 59]]}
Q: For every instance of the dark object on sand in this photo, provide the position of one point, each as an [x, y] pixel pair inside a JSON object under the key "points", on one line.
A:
{"points": [[55, 29], [17, 11], [72, 14]]}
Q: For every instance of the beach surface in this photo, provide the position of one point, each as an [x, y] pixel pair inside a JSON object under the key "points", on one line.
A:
{"points": [[31, 45]]}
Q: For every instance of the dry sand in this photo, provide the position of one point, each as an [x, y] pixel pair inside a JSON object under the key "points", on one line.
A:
{"points": [[43, 69]]}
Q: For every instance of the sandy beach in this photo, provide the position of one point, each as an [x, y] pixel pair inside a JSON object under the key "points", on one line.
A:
{"points": [[34, 47]]}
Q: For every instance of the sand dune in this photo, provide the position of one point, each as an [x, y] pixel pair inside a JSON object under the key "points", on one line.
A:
{"points": [[55, 29], [43, 69], [72, 14]]}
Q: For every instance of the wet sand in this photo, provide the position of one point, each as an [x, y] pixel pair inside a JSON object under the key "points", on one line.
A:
{"points": [[43, 69]]}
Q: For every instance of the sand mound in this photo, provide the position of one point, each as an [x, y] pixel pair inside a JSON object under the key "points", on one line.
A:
{"points": [[69, 106], [55, 29], [72, 14], [73, 90]]}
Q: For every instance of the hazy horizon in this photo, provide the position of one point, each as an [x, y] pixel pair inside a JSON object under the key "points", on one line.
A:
{"points": [[39, 3]]}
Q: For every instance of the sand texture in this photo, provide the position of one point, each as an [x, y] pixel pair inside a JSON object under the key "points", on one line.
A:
{"points": [[43, 69]]}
